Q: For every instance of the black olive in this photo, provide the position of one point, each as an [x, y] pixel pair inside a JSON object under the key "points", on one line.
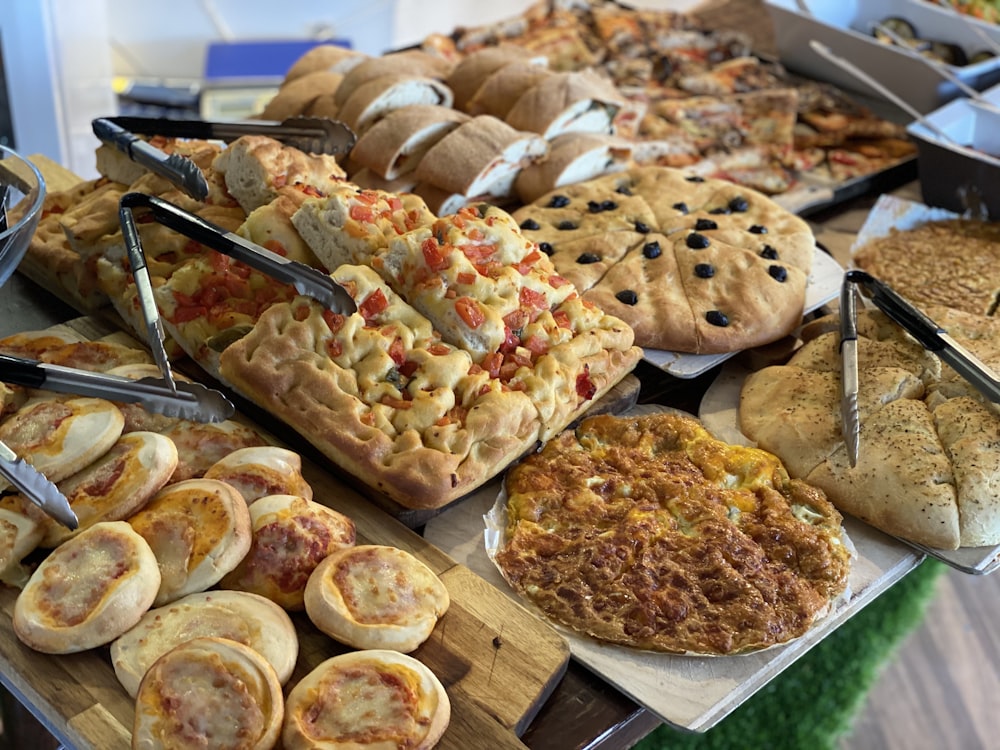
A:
{"points": [[778, 273], [559, 201], [694, 178], [608, 205], [721, 211], [704, 270], [594, 207], [566, 224], [682, 207], [738, 204], [530, 224], [758, 229], [717, 318], [697, 241], [769, 252], [586, 258], [627, 297], [546, 248], [641, 227], [623, 190], [705, 224], [651, 250]]}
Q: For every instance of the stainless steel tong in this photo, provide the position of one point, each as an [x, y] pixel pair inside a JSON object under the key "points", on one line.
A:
{"points": [[930, 335], [306, 279], [36, 487]]}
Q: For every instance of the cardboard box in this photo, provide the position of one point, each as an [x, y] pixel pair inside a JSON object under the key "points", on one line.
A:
{"points": [[845, 27]]}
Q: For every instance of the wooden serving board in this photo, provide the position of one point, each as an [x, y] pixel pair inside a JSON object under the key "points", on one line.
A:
{"points": [[498, 662]]}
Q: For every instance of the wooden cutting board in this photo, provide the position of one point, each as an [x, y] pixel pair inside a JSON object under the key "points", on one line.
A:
{"points": [[498, 662]]}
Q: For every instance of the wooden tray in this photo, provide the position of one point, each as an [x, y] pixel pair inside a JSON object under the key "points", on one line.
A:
{"points": [[498, 662]]}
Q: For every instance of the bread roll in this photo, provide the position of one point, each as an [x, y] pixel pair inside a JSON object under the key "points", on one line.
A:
{"points": [[394, 146]]}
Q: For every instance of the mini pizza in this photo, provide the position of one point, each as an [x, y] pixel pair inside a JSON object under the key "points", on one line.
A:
{"points": [[117, 484], [394, 701], [262, 470], [20, 534], [199, 530], [646, 531], [209, 692], [88, 591], [60, 436], [373, 596], [291, 536], [200, 445], [235, 615], [693, 264]]}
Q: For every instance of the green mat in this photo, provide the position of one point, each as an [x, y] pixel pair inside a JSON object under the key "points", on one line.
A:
{"points": [[812, 704]]}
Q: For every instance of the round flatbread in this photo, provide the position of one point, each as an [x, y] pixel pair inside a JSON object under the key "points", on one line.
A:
{"points": [[59, 437], [88, 591], [199, 530], [199, 445], [20, 534], [291, 536], [262, 470], [237, 615], [373, 596], [117, 484], [367, 699], [209, 692]]}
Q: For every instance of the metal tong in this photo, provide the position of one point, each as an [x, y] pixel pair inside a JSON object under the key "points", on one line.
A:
{"points": [[36, 487], [930, 335], [306, 279]]}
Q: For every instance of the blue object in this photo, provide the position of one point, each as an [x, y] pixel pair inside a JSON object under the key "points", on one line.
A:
{"points": [[257, 60]]}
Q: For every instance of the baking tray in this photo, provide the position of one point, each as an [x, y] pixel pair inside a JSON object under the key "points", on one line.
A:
{"points": [[822, 287], [844, 26], [688, 692]]}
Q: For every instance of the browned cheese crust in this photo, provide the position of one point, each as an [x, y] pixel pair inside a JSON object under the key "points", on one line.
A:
{"points": [[955, 263], [648, 532], [692, 264]]}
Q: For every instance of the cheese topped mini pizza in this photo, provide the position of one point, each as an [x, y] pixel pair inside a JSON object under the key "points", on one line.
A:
{"points": [[199, 530], [693, 264], [88, 591], [367, 699], [262, 470], [373, 596], [291, 536], [209, 692], [646, 531], [235, 615], [60, 436], [20, 534]]}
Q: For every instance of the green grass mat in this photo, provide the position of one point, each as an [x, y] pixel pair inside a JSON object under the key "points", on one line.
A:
{"points": [[812, 704]]}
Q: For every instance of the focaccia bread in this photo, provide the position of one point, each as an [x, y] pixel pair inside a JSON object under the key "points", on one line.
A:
{"points": [[236, 615], [406, 704], [374, 596], [646, 531], [928, 463], [88, 591], [693, 264], [209, 692]]}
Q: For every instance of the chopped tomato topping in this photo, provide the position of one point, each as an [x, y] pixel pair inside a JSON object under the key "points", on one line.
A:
{"points": [[466, 278], [407, 368], [433, 256], [450, 294], [556, 281], [368, 418], [395, 203], [373, 305], [532, 299], [470, 312], [536, 345], [516, 319], [561, 318], [361, 213], [276, 246], [187, 314], [334, 348], [439, 349], [309, 190], [334, 321], [396, 403], [396, 351], [585, 387], [492, 364], [367, 196], [511, 340], [475, 234]]}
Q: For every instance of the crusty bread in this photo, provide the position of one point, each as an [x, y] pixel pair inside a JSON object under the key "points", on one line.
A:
{"points": [[324, 57], [297, 96], [62, 611], [270, 226], [480, 157], [237, 615], [291, 536], [117, 484], [472, 70], [500, 91], [370, 180], [405, 704], [199, 530], [209, 692], [394, 146], [262, 470], [59, 437], [374, 596], [577, 101], [256, 167], [413, 62], [573, 157], [374, 99]]}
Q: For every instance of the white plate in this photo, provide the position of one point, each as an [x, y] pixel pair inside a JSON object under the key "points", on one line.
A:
{"points": [[689, 692], [822, 287]]}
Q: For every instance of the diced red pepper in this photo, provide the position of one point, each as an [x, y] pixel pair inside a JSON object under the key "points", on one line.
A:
{"points": [[373, 305], [470, 312]]}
